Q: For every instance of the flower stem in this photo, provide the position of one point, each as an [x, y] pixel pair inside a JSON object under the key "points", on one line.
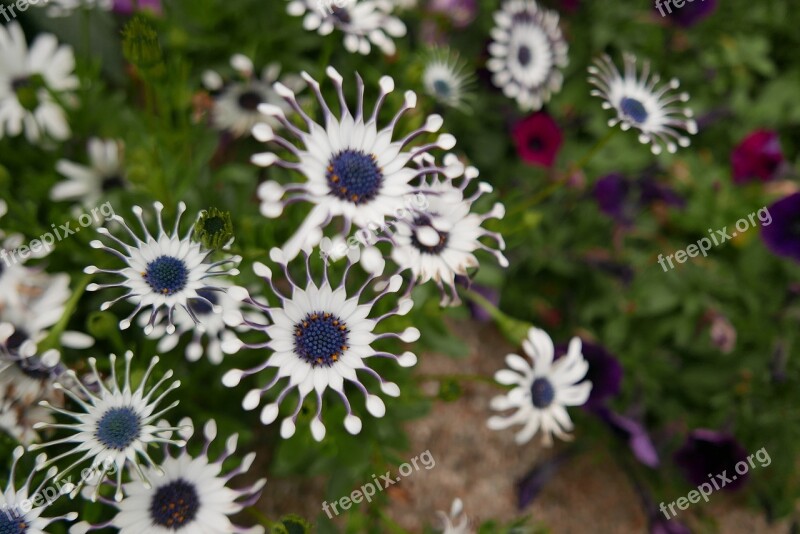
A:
{"points": [[52, 339], [514, 329]]}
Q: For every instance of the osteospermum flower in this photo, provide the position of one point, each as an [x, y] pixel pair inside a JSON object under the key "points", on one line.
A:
{"points": [[438, 243], [14, 501], [362, 22], [446, 79], [542, 389], [352, 168], [236, 102], [163, 271], [193, 495], [320, 337], [639, 104], [114, 427], [26, 79], [89, 184], [527, 52], [457, 521], [218, 327]]}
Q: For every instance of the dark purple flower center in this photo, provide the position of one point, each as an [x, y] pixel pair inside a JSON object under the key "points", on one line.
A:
{"points": [[250, 100], [542, 393], [341, 14], [320, 339], [118, 428], [535, 143], [354, 176], [10, 524], [524, 55], [436, 249], [110, 183], [442, 88], [166, 275], [201, 307], [634, 109], [175, 504]]}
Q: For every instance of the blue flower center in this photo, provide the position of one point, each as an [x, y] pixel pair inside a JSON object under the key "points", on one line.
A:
{"points": [[542, 393], [201, 307], [10, 524], [166, 275], [442, 88], [174, 505], [524, 55], [634, 109], [118, 428], [320, 339], [354, 176]]}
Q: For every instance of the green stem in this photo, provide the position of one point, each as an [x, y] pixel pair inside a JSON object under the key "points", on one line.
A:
{"points": [[262, 519], [390, 524], [595, 149], [514, 329], [52, 339]]}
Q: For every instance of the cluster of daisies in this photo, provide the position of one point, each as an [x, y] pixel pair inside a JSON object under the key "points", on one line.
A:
{"points": [[317, 331]]}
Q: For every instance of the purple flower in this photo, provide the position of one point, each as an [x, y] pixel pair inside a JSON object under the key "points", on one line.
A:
{"points": [[538, 139], [460, 12], [758, 156], [782, 233], [532, 483], [605, 373], [634, 433], [708, 453], [476, 310], [692, 12], [621, 198], [126, 7]]}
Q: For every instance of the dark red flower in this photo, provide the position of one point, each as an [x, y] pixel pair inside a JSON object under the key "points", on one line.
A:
{"points": [[538, 139], [757, 156]]}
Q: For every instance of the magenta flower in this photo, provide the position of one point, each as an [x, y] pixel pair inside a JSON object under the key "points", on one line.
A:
{"points": [[460, 12], [128, 7], [759, 156], [538, 139]]}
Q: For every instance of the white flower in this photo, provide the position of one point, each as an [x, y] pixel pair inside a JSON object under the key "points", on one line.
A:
{"points": [[639, 104], [218, 327], [165, 271], [457, 522], [115, 427], [14, 502], [437, 243], [446, 79], [362, 22], [352, 169], [26, 378], [320, 337], [192, 497], [541, 390], [527, 52], [89, 184], [26, 79], [64, 8], [236, 103]]}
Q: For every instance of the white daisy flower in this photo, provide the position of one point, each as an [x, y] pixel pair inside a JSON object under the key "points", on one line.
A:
{"points": [[64, 8], [438, 243], [352, 169], [89, 184], [27, 80], [115, 427], [15, 500], [236, 103], [542, 389], [165, 271], [362, 22], [320, 337], [26, 378], [218, 327], [192, 497], [527, 52], [639, 104], [457, 522], [446, 78]]}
